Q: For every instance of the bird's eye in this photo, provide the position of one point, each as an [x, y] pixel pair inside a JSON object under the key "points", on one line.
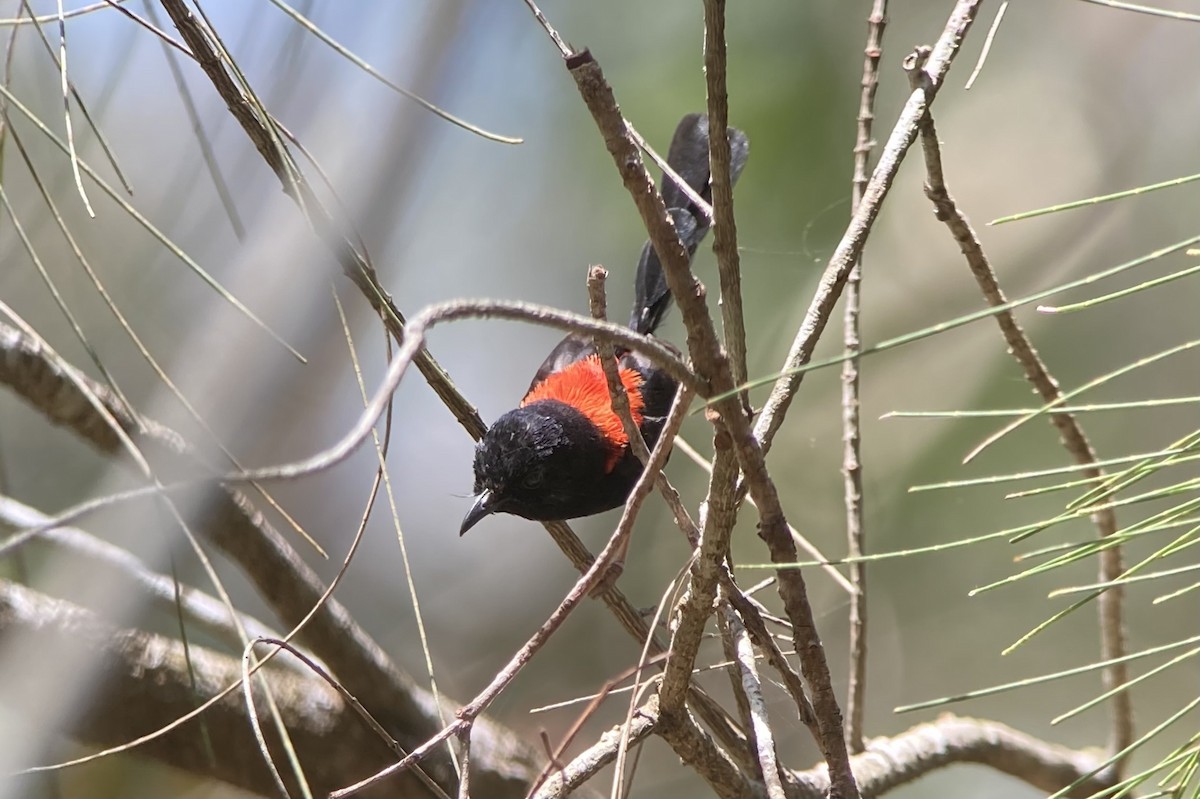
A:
{"points": [[533, 480]]}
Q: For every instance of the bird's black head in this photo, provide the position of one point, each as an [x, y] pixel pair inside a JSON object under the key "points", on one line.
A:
{"points": [[544, 461]]}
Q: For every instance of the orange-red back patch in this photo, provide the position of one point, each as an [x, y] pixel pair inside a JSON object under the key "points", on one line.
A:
{"points": [[582, 385]]}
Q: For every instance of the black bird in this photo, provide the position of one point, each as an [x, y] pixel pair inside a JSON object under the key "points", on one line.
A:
{"points": [[563, 452]]}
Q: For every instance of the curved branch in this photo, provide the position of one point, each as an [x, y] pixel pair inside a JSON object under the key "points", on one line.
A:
{"points": [[889, 763]]}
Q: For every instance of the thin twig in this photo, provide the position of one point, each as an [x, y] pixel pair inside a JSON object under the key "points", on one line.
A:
{"points": [[987, 44], [1110, 603], [852, 477], [320, 35], [701, 205], [259, 737], [1151, 10], [353, 703], [725, 247], [751, 615], [65, 86], [101, 139], [752, 690], [203, 142], [608, 362], [464, 767], [726, 618]]}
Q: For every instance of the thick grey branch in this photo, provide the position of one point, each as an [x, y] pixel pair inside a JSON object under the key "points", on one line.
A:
{"points": [[145, 684], [158, 590], [889, 763]]}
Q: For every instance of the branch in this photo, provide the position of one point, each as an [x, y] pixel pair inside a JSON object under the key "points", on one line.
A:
{"points": [[264, 134], [725, 248], [147, 682], [851, 400], [292, 589], [158, 590], [890, 763], [760, 722], [713, 367], [1112, 629], [748, 610]]}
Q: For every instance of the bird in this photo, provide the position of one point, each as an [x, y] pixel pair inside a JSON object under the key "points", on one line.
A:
{"points": [[563, 452]]}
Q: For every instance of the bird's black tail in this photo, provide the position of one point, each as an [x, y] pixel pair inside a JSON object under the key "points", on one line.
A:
{"points": [[688, 156]]}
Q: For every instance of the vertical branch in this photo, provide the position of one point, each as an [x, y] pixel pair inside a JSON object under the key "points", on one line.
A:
{"points": [[760, 724], [724, 225], [712, 367], [727, 624], [731, 423], [693, 609], [1110, 603], [851, 399]]}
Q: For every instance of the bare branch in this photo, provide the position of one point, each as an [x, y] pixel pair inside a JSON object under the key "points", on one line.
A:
{"points": [[146, 685], [752, 617], [889, 763], [158, 590], [1110, 603], [752, 689], [712, 365], [724, 226], [851, 400], [228, 520]]}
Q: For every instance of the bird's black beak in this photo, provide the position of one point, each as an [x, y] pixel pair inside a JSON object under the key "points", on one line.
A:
{"points": [[485, 504]]}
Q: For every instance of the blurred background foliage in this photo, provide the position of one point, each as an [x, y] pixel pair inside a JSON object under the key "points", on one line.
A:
{"points": [[1075, 100]]}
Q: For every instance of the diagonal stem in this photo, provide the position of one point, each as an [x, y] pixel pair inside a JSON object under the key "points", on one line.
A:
{"points": [[1110, 603]]}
